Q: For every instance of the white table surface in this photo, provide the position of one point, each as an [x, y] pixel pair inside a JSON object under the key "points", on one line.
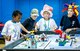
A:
{"points": [[50, 44]]}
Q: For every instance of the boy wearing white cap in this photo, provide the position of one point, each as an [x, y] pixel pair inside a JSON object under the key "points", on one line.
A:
{"points": [[29, 23], [46, 23]]}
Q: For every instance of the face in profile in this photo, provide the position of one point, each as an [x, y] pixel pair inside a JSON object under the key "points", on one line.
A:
{"points": [[70, 12], [17, 18]]}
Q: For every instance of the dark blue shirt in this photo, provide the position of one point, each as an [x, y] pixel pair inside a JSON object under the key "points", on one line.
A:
{"points": [[69, 22], [29, 24]]}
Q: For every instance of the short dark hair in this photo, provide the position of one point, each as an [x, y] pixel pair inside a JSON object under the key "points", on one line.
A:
{"points": [[16, 12]]}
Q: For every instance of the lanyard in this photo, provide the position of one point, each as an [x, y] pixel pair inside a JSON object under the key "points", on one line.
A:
{"points": [[45, 25]]}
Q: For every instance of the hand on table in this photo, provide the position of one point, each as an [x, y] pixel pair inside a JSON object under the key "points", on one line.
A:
{"points": [[68, 30], [75, 28], [35, 30], [28, 32], [8, 38]]}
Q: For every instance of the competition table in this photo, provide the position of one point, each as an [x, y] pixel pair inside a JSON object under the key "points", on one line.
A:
{"points": [[51, 44]]}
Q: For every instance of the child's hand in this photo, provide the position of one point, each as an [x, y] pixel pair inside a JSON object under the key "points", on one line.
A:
{"points": [[35, 30], [28, 32], [8, 38], [24, 36]]}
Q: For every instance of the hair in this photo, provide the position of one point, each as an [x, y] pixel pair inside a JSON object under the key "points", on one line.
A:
{"points": [[15, 13], [46, 11]]}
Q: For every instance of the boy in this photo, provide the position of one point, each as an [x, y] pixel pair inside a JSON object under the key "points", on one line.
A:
{"points": [[46, 23], [29, 23], [70, 21], [12, 28]]}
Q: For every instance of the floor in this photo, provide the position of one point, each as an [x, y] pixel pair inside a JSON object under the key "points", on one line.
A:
{"points": [[2, 43], [1, 46]]}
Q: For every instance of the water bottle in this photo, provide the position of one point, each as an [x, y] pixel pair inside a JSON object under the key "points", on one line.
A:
{"points": [[33, 42], [42, 37]]}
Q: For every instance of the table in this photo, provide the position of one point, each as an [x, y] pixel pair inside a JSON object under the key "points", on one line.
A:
{"points": [[51, 44]]}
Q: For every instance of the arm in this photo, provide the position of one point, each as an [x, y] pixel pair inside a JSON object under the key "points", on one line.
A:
{"points": [[37, 25], [23, 28], [24, 24], [76, 24], [4, 32]]}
